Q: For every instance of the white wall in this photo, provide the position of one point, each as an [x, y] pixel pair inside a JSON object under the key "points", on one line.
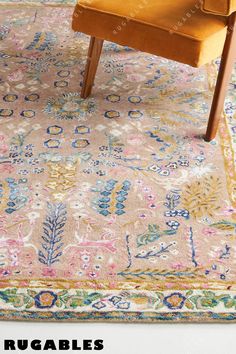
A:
{"points": [[130, 338]]}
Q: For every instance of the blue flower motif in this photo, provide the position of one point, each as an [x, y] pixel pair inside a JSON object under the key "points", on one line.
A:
{"points": [[45, 299], [99, 305], [115, 299], [173, 224], [174, 301], [123, 305]]}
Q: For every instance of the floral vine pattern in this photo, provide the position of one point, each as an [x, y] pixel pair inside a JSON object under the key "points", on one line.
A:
{"points": [[114, 207]]}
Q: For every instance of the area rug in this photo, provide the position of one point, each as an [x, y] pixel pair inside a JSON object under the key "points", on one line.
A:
{"points": [[38, 2], [112, 208]]}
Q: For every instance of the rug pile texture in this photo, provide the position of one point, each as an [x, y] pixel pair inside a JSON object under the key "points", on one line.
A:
{"points": [[38, 2], [112, 208]]}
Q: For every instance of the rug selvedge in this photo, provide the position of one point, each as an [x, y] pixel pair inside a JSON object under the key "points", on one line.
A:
{"points": [[92, 238]]}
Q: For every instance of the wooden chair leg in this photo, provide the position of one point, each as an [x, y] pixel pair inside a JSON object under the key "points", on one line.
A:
{"points": [[94, 53], [225, 72]]}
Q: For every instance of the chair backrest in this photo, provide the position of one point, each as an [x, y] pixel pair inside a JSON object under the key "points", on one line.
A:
{"points": [[219, 7]]}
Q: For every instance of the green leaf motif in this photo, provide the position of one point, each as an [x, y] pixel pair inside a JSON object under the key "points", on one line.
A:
{"points": [[153, 234], [224, 225]]}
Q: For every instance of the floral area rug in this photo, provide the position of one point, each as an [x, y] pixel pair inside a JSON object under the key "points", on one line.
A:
{"points": [[39, 2], [111, 208]]}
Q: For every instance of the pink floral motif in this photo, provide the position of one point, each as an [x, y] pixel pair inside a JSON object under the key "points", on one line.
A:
{"points": [[7, 167], [207, 231], [135, 139], [228, 211], [49, 272], [3, 145], [93, 274], [16, 75], [136, 77]]}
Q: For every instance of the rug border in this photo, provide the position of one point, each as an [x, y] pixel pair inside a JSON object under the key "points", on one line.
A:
{"points": [[119, 317]]}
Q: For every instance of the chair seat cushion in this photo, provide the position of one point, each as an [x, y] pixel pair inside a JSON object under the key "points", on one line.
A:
{"points": [[176, 30]]}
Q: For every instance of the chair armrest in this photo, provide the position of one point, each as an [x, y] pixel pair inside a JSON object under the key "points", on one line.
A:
{"points": [[219, 7]]}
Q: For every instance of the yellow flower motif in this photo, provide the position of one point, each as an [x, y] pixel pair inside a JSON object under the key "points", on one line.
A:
{"points": [[45, 299], [59, 196], [174, 301], [61, 179], [141, 300]]}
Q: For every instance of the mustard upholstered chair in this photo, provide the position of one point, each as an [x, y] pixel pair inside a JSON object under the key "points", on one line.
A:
{"points": [[193, 32]]}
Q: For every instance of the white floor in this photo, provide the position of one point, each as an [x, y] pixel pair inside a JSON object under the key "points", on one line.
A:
{"points": [[130, 339]]}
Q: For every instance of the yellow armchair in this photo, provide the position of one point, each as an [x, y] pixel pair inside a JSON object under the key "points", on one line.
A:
{"points": [[189, 31]]}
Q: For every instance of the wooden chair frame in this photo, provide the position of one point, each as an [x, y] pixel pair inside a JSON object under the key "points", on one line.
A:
{"points": [[225, 71]]}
